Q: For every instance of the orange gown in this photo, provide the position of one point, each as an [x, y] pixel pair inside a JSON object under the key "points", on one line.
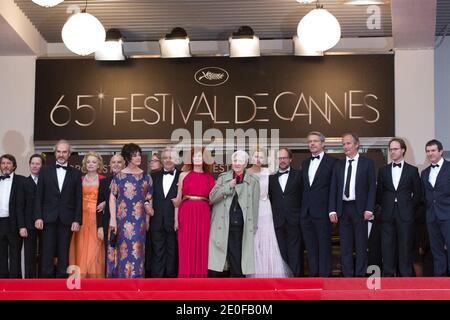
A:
{"points": [[86, 250]]}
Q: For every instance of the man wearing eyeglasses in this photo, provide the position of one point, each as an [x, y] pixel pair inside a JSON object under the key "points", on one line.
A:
{"points": [[285, 191], [317, 171], [398, 194]]}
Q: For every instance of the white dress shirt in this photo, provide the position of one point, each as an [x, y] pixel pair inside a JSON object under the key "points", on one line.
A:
{"points": [[434, 172], [5, 193], [167, 181], [313, 166], [282, 179], [352, 178], [61, 174], [35, 178], [396, 174]]}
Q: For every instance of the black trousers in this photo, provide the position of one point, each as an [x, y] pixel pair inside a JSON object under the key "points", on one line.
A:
{"points": [[30, 245], [55, 240], [439, 233], [10, 246], [289, 238], [317, 237], [164, 253], [397, 246], [353, 235], [234, 250]]}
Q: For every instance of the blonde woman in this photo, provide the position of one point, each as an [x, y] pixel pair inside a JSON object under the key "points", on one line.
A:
{"points": [[87, 247]]}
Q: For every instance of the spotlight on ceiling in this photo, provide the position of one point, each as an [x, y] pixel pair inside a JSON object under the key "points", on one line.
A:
{"points": [[175, 44], [301, 50], [112, 48], [244, 43]]}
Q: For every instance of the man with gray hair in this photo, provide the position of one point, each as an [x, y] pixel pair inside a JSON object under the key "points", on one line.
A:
{"points": [[58, 210], [163, 254], [317, 171], [352, 203]]}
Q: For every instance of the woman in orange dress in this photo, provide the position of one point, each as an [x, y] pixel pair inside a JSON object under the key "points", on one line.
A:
{"points": [[87, 249]]}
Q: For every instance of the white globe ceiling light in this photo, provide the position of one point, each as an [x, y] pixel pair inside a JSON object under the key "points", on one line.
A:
{"points": [[47, 3], [83, 33], [319, 30]]}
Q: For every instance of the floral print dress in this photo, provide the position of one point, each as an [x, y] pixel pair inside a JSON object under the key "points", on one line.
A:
{"points": [[126, 258]]}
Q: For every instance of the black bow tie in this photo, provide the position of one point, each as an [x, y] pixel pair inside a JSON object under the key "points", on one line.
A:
{"points": [[169, 172], [397, 165], [434, 166], [281, 173], [58, 166], [315, 157], [4, 177]]}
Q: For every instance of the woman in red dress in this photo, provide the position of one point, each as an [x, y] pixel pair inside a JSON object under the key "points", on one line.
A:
{"points": [[192, 217]]}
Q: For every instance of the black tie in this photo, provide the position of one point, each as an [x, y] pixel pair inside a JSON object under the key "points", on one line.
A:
{"points": [[435, 166], [315, 157], [60, 166], [347, 181], [281, 173], [397, 165], [4, 177], [169, 172]]}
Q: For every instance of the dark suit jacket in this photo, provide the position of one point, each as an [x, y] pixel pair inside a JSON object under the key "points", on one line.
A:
{"points": [[408, 192], [365, 186], [162, 205], [29, 195], [437, 199], [316, 196], [104, 192], [286, 206], [51, 203], [16, 208]]}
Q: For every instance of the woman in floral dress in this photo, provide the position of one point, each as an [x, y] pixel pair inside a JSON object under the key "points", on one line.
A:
{"points": [[131, 207]]}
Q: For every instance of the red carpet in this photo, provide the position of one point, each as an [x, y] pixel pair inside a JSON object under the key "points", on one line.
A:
{"points": [[227, 289]]}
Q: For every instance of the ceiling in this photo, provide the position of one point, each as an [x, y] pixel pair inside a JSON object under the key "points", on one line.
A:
{"points": [[150, 20]]}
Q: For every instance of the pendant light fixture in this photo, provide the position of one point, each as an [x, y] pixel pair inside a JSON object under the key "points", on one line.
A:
{"points": [[83, 33], [319, 30], [47, 3]]}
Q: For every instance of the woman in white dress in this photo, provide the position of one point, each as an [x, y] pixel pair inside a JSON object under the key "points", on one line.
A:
{"points": [[268, 260]]}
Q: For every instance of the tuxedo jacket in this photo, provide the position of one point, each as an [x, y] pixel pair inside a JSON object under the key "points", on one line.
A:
{"points": [[437, 199], [29, 198], [408, 192], [316, 196], [286, 206], [104, 191], [16, 205], [51, 203], [365, 186], [162, 205]]}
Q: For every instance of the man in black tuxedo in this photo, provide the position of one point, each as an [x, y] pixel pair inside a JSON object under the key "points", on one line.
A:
{"points": [[398, 194], [285, 191], [436, 186], [352, 203], [315, 222], [27, 230], [164, 253], [11, 209], [117, 163], [58, 210]]}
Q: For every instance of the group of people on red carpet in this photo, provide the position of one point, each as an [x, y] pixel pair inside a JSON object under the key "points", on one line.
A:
{"points": [[249, 222]]}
